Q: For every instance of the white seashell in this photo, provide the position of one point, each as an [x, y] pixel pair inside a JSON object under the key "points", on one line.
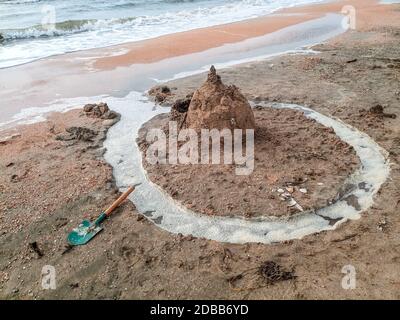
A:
{"points": [[299, 207], [293, 203]]}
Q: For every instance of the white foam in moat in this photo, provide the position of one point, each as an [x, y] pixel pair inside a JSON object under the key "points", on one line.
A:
{"points": [[126, 159]]}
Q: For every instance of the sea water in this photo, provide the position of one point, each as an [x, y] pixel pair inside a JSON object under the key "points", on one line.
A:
{"points": [[34, 29]]}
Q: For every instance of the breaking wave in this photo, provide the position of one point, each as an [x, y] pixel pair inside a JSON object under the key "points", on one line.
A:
{"points": [[61, 29]]}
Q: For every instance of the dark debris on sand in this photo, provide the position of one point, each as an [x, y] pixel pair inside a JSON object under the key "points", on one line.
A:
{"points": [[273, 272]]}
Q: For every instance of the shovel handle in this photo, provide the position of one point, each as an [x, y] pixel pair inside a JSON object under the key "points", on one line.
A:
{"points": [[119, 201]]}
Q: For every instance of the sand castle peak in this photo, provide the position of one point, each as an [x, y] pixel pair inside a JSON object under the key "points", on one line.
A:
{"points": [[213, 77]]}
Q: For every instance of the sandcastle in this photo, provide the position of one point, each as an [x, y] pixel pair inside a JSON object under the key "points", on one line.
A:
{"points": [[216, 106]]}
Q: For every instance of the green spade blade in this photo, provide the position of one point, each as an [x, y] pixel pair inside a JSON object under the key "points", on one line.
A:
{"points": [[86, 231]]}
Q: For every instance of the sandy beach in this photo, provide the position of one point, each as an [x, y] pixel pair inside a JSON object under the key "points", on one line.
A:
{"points": [[53, 176]]}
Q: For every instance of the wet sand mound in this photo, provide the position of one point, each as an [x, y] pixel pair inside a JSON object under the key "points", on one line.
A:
{"points": [[298, 163], [295, 158]]}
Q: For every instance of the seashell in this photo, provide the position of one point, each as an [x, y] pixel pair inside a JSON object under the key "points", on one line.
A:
{"points": [[293, 203]]}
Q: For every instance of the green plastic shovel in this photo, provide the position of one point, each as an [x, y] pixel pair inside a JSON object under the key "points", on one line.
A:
{"points": [[87, 230]]}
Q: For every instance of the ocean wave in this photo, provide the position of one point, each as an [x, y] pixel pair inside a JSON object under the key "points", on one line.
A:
{"points": [[64, 28]]}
